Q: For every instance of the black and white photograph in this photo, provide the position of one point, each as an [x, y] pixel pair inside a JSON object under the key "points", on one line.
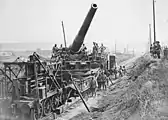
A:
{"points": [[83, 60]]}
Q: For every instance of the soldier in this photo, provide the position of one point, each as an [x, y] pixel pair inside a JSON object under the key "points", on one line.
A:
{"points": [[120, 71], [83, 49], [151, 49], [55, 49], [124, 70], [104, 81], [95, 50], [93, 85], [99, 81], [107, 76], [102, 48], [110, 78], [115, 72], [156, 48], [61, 46]]}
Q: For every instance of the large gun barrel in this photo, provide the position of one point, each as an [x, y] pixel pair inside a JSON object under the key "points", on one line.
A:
{"points": [[78, 41]]}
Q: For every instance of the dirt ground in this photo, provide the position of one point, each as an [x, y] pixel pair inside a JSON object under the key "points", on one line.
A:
{"points": [[140, 95]]}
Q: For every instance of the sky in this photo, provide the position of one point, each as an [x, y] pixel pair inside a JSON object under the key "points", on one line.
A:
{"points": [[121, 21]]}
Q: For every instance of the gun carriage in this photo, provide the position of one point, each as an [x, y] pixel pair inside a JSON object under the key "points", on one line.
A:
{"points": [[36, 88]]}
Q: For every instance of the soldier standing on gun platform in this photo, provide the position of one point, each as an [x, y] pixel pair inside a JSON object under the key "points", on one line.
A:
{"points": [[102, 48], [55, 49], [94, 51]]}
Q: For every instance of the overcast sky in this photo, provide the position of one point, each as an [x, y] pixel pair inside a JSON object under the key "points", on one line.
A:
{"points": [[123, 21]]}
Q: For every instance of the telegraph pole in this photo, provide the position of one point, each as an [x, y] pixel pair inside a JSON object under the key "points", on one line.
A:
{"points": [[154, 29], [150, 38], [64, 34]]}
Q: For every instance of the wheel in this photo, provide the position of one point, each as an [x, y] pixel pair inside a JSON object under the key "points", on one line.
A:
{"points": [[54, 102], [47, 106], [38, 112]]}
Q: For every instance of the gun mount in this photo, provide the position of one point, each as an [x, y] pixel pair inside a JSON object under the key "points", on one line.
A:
{"points": [[39, 87], [78, 41], [74, 51]]}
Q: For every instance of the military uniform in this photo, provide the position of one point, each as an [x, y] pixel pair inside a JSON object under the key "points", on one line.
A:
{"points": [[156, 49], [102, 48], [151, 50], [95, 50], [55, 49], [120, 71], [107, 77], [99, 81], [93, 85], [124, 70], [115, 72], [104, 81]]}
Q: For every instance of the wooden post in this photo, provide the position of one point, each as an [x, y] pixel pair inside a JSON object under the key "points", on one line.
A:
{"points": [[64, 34], [150, 38], [35, 77], [5, 85], [154, 22], [80, 96]]}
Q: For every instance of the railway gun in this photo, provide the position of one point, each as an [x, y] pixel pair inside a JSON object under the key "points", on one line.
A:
{"points": [[35, 88]]}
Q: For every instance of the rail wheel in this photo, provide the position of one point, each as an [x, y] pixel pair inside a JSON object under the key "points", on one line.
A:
{"points": [[47, 106], [54, 102], [38, 112]]}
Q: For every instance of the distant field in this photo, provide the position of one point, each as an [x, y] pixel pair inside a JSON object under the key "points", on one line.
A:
{"points": [[46, 53], [25, 54], [123, 57]]}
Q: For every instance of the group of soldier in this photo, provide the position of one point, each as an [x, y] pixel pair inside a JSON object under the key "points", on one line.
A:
{"points": [[97, 49], [102, 81], [56, 49], [118, 72], [155, 49]]}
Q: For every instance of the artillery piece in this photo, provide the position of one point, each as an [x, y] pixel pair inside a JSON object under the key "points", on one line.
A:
{"points": [[37, 88], [75, 60], [74, 48], [78, 41]]}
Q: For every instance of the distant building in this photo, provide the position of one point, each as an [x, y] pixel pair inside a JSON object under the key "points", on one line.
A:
{"points": [[125, 50]]}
